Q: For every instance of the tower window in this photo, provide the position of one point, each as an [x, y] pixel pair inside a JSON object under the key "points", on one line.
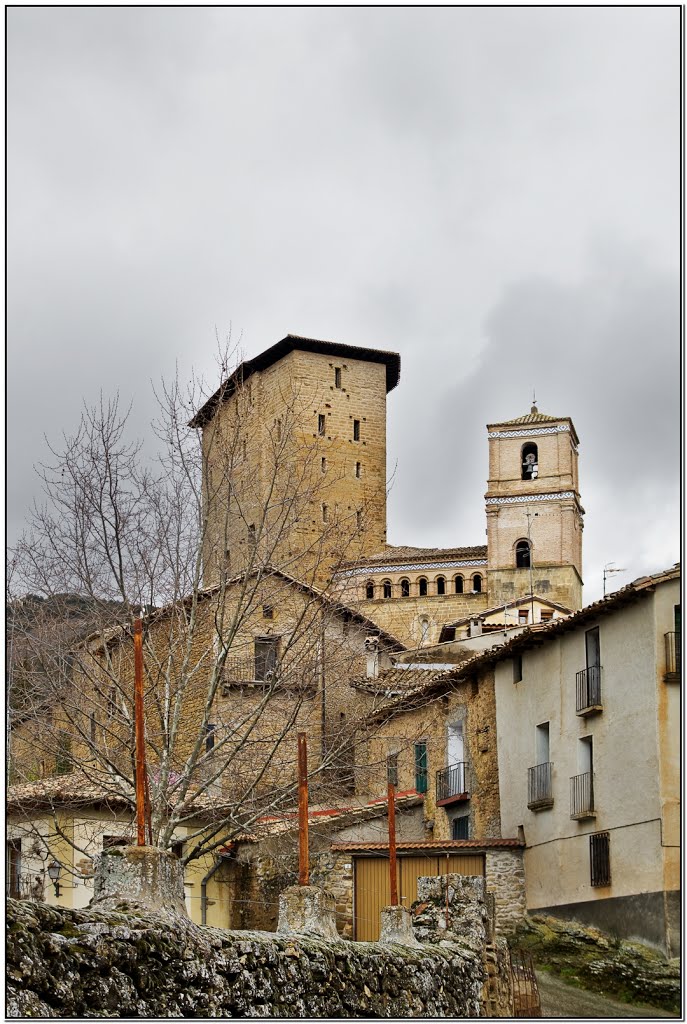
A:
{"points": [[386, 588], [441, 585], [530, 462], [358, 519], [459, 584], [337, 376], [357, 469], [405, 588], [324, 465], [370, 590], [356, 430], [422, 586], [320, 424], [477, 584], [522, 554], [325, 513], [210, 729]]}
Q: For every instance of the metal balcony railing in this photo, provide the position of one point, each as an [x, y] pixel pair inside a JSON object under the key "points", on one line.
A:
{"points": [[673, 654], [452, 782], [582, 796], [539, 786], [588, 687], [299, 676]]}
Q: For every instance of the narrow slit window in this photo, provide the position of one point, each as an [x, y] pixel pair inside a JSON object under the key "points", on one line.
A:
{"points": [[356, 430], [358, 519], [358, 469], [325, 513], [210, 729], [324, 464], [321, 424], [337, 376], [441, 585]]}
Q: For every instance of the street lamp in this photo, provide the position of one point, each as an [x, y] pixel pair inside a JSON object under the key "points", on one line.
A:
{"points": [[54, 870]]}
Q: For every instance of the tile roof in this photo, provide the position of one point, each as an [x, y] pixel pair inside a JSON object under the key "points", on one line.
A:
{"points": [[341, 816], [119, 633], [511, 604], [432, 844], [74, 789], [405, 553], [531, 417]]}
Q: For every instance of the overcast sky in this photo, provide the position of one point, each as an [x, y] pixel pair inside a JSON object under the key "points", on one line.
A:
{"points": [[493, 193]]}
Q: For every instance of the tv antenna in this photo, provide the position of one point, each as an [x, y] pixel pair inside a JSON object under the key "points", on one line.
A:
{"points": [[608, 571]]}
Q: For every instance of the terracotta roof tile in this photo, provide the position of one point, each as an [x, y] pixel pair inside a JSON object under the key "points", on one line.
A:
{"points": [[434, 844], [405, 553]]}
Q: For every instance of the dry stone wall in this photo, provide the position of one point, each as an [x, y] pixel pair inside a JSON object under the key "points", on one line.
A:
{"points": [[89, 963]]}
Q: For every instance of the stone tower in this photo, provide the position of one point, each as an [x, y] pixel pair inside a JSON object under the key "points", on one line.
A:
{"points": [[294, 459], [534, 515]]}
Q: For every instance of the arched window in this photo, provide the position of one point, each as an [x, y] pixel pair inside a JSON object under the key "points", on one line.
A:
{"points": [[422, 586], [459, 584], [369, 590], [530, 462], [522, 554], [441, 585], [405, 588], [477, 584], [386, 588]]}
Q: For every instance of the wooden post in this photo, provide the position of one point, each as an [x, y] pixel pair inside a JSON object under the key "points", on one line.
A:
{"points": [[139, 734], [303, 867], [391, 804]]}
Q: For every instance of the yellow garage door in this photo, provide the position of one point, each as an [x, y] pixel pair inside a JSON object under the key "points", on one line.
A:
{"points": [[372, 891]]}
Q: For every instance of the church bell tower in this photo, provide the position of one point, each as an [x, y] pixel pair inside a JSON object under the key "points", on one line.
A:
{"points": [[534, 514]]}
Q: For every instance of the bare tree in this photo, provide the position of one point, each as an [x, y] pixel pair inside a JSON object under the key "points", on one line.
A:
{"points": [[225, 543]]}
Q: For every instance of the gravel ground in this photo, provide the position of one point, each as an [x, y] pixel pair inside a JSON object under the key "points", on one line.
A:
{"points": [[558, 999]]}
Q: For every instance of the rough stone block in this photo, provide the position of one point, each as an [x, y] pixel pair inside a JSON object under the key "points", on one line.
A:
{"points": [[307, 910], [397, 926], [142, 875]]}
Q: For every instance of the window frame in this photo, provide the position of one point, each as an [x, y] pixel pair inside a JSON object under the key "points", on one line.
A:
{"points": [[600, 859]]}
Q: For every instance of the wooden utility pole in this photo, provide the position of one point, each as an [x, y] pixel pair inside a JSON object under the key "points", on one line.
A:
{"points": [[139, 734], [303, 869], [391, 804]]}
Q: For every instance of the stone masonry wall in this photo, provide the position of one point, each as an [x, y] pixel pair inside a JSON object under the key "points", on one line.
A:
{"points": [[63, 963], [505, 877]]}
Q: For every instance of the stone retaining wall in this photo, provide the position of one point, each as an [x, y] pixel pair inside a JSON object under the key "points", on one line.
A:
{"points": [[120, 963]]}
